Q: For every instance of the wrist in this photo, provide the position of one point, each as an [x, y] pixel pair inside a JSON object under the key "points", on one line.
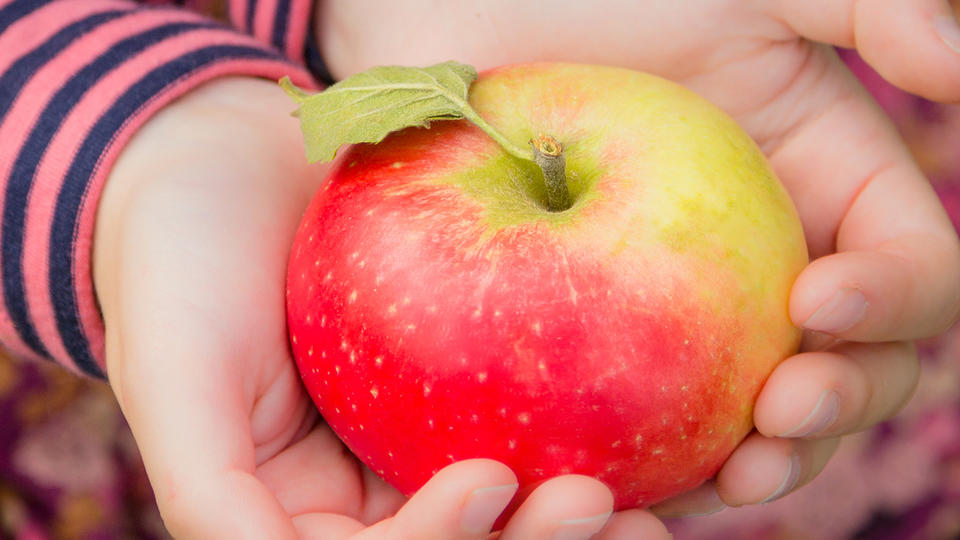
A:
{"points": [[227, 145]]}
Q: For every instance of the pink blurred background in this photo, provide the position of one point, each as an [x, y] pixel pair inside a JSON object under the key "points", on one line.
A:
{"points": [[69, 467]]}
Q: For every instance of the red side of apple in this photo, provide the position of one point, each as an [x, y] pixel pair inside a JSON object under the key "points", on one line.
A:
{"points": [[429, 328]]}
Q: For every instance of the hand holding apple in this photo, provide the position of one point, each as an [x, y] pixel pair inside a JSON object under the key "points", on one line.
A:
{"points": [[443, 306], [872, 222]]}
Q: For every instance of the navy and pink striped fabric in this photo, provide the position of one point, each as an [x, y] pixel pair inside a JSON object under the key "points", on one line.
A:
{"points": [[77, 79]]}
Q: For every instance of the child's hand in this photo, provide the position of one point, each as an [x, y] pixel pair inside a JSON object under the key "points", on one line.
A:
{"points": [[191, 246], [887, 258]]}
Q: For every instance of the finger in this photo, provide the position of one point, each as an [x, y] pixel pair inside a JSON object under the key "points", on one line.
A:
{"points": [[894, 279], [762, 469], [462, 501], [847, 389], [860, 195], [700, 501], [915, 44], [633, 524], [570, 506]]}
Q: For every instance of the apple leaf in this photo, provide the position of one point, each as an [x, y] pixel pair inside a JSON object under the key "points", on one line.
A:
{"points": [[366, 107]]}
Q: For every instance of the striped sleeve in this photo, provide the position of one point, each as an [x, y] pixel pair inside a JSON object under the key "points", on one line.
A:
{"points": [[77, 79]]}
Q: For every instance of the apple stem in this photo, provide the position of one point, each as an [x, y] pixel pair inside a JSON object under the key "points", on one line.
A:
{"points": [[548, 154]]}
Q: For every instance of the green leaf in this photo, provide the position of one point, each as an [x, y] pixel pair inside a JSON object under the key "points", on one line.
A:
{"points": [[368, 106]]}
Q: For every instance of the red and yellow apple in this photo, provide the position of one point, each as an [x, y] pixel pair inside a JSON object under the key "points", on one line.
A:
{"points": [[439, 311]]}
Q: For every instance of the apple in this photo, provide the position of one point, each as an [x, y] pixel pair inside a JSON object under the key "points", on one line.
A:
{"points": [[439, 309]]}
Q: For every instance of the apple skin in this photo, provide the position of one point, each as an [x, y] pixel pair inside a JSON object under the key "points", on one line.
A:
{"points": [[439, 312]]}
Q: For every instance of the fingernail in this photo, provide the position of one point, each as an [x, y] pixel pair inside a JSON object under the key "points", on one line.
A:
{"points": [[823, 415], [789, 480], [844, 309], [580, 529], [817, 341], [709, 507], [949, 30], [484, 506]]}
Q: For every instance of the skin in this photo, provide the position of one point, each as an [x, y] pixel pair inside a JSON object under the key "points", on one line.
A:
{"points": [[196, 341]]}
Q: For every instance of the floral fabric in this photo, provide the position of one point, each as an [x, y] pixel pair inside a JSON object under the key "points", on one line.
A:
{"points": [[69, 467]]}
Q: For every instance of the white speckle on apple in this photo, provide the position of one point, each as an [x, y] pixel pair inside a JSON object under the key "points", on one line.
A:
{"points": [[541, 365], [336, 369], [406, 300], [431, 309], [616, 444], [397, 164], [353, 296], [369, 212], [497, 313], [294, 338], [336, 410], [392, 310], [684, 388], [378, 280], [427, 389], [354, 255], [524, 418], [512, 444], [502, 412], [411, 327], [362, 263], [390, 454], [360, 427], [537, 328], [310, 351], [657, 451], [482, 377], [475, 418], [323, 321], [353, 407], [430, 423], [663, 388], [477, 313], [329, 275], [638, 440], [374, 392], [344, 345], [378, 361], [450, 458], [309, 318], [664, 420]]}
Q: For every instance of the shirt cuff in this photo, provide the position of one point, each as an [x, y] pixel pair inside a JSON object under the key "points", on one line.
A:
{"points": [[76, 82]]}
